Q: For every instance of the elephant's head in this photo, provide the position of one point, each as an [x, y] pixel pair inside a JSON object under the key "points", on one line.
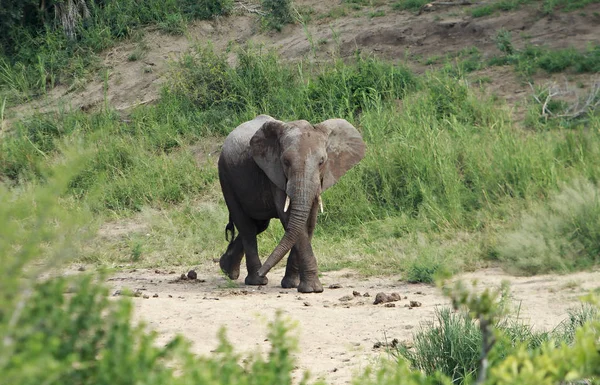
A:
{"points": [[303, 160]]}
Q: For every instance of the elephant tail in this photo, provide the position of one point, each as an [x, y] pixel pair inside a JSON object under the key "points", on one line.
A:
{"points": [[230, 231]]}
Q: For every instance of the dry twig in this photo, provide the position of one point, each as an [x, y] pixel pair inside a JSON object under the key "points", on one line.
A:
{"points": [[582, 105], [254, 8]]}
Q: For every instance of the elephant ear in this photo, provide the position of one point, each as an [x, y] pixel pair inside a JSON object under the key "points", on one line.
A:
{"points": [[345, 148], [265, 146]]}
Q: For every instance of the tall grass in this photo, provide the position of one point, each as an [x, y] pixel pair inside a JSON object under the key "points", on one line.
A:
{"points": [[440, 158], [561, 236]]}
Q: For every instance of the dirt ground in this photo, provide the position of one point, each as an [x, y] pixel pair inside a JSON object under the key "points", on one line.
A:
{"points": [[337, 329]]}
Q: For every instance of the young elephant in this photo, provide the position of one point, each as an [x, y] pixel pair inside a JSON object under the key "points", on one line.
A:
{"points": [[273, 169]]}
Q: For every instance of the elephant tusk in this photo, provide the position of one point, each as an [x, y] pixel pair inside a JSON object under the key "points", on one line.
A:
{"points": [[321, 203], [287, 203]]}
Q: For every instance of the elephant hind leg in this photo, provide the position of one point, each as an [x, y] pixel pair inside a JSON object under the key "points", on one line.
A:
{"points": [[230, 261]]}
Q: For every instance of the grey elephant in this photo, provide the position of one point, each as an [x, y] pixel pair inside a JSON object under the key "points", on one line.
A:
{"points": [[273, 169]]}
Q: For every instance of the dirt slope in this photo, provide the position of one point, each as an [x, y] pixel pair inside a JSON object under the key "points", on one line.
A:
{"points": [[397, 35], [336, 329]]}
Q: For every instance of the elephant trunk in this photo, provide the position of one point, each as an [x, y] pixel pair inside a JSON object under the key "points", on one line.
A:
{"points": [[299, 213]]}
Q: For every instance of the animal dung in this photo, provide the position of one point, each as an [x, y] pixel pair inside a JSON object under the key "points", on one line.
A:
{"points": [[384, 298], [192, 274]]}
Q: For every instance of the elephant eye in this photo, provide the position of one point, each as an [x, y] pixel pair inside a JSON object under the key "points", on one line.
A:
{"points": [[286, 163], [322, 161]]}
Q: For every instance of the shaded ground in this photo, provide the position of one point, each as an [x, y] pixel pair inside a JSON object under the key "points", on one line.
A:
{"points": [[337, 329], [396, 35]]}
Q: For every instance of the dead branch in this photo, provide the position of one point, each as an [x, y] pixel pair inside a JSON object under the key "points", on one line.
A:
{"points": [[582, 105], [249, 8], [136, 104]]}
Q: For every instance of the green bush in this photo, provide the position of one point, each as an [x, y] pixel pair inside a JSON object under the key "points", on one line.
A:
{"points": [[484, 10], [409, 5], [562, 236], [452, 343], [278, 13]]}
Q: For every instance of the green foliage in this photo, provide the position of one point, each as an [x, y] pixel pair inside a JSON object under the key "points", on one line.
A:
{"points": [[550, 6], [528, 60], [546, 6], [278, 13], [453, 341], [35, 53], [409, 5], [484, 10], [425, 269], [561, 236]]}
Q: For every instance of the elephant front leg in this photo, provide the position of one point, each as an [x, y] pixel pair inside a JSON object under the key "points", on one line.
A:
{"points": [[309, 273], [291, 278]]}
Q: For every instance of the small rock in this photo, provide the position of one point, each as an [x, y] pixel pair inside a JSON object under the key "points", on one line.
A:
{"points": [[334, 370], [335, 286], [346, 298], [145, 296], [419, 292], [390, 305], [183, 277], [170, 296], [172, 272], [137, 293], [156, 271], [81, 268], [192, 274], [383, 298], [366, 295], [117, 293], [356, 293], [415, 304], [155, 295], [306, 303]]}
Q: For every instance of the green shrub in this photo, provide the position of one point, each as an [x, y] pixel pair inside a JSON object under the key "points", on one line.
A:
{"points": [[452, 343], [409, 5], [484, 10], [562, 236], [278, 13]]}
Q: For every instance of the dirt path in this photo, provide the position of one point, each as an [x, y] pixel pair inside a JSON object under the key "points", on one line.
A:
{"points": [[336, 329]]}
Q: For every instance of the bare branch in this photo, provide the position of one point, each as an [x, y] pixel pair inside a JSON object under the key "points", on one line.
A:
{"points": [[249, 8], [578, 105]]}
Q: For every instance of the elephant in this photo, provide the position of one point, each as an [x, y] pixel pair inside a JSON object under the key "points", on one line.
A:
{"points": [[273, 169]]}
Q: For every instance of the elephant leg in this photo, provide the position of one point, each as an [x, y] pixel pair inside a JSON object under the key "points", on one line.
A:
{"points": [[230, 261], [249, 229], [291, 278], [309, 272]]}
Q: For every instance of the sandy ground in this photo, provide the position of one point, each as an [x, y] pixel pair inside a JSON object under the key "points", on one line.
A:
{"points": [[336, 329]]}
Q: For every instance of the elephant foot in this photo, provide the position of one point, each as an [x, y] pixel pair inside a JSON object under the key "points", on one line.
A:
{"points": [[312, 286], [256, 280], [233, 272], [290, 282]]}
